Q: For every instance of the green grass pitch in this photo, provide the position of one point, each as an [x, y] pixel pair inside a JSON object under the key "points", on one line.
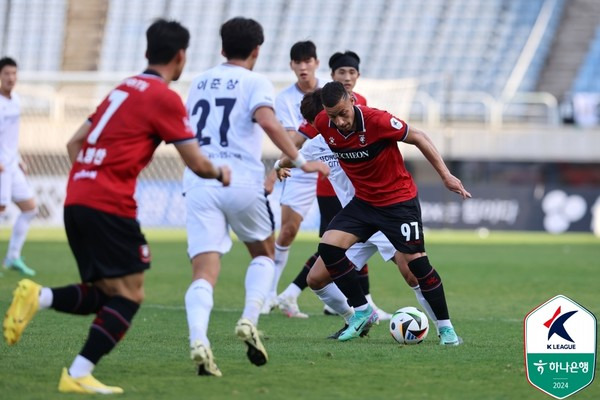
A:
{"points": [[491, 284]]}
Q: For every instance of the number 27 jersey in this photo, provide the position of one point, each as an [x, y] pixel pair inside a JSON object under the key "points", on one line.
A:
{"points": [[221, 105]]}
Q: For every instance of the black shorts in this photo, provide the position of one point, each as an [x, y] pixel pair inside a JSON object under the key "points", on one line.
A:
{"points": [[329, 206], [105, 245], [400, 223]]}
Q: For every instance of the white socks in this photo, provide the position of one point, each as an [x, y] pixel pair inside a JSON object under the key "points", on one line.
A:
{"points": [[19, 233], [281, 257], [198, 305], [424, 304], [444, 323], [292, 291], [371, 302], [81, 367], [259, 276], [46, 298], [334, 298]]}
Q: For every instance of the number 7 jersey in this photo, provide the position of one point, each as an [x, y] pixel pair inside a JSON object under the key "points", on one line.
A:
{"points": [[125, 130], [221, 106]]}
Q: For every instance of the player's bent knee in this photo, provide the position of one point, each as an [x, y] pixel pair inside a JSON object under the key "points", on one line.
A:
{"points": [[287, 234], [136, 296], [318, 279], [331, 254]]}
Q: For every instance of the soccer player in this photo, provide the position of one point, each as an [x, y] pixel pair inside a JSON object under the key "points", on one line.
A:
{"points": [[13, 184], [298, 192], [227, 105], [108, 152], [318, 278], [345, 69], [364, 141]]}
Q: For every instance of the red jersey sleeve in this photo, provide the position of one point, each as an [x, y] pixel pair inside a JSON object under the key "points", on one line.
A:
{"points": [[321, 121], [390, 127], [171, 120], [308, 130]]}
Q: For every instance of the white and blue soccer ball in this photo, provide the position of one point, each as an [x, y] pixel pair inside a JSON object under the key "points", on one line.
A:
{"points": [[409, 325]]}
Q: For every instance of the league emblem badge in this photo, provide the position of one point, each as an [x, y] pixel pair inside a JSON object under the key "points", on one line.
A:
{"points": [[396, 124], [560, 347]]}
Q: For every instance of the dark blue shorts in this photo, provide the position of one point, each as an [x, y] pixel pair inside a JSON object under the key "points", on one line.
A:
{"points": [[105, 245], [400, 223]]}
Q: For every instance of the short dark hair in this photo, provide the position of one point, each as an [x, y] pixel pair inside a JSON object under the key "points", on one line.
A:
{"points": [[311, 105], [332, 93], [239, 36], [165, 39], [301, 51], [345, 59], [4, 61]]}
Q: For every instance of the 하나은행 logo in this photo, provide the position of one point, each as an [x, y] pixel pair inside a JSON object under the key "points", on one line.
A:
{"points": [[560, 347]]}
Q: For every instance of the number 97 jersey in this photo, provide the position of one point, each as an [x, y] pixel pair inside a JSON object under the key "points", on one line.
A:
{"points": [[221, 106]]}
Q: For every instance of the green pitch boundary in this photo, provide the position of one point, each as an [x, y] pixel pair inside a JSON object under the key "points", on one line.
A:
{"points": [[432, 236]]}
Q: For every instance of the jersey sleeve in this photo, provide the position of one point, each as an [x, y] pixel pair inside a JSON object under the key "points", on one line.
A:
{"points": [[309, 149], [321, 122], [390, 127], [307, 130], [170, 118], [262, 95], [285, 112]]}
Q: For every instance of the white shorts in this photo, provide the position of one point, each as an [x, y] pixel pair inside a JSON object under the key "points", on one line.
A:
{"points": [[14, 186], [212, 210], [360, 253], [299, 193]]}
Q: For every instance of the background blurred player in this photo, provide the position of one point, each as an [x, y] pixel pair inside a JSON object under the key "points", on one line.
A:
{"points": [[227, 104], [13, 184], [298, 191]]}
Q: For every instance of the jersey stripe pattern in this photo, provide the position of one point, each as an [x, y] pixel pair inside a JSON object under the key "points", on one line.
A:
{"points": [[370, 155]]}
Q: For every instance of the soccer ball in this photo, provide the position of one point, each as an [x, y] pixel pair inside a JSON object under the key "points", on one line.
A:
{"points": [[408, 325]]}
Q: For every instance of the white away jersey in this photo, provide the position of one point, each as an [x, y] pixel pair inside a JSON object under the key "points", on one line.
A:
{"points": [[317, 149], [221, 106], [10, 110], [287, 109]]}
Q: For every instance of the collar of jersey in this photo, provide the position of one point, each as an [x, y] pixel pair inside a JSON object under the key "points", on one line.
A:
{"points": [[152, 73], [358, 118]]}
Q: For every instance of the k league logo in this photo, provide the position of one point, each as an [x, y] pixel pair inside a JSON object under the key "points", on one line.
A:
{"points": [[560, 347], [557, 325]]}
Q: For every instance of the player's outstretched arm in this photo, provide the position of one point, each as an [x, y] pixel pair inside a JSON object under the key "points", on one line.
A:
{"points": [[265, 117], [426, 146], [196, 161], [76, 142], [283, 165]]}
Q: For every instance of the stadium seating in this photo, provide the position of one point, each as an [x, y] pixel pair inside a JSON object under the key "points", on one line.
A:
{"points": [[466, 49], [471, 45], [33, 33], [588, 76]]}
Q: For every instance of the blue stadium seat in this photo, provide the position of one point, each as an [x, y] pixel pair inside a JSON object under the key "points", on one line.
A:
{"points": [[33, 33], [588, 76]]}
